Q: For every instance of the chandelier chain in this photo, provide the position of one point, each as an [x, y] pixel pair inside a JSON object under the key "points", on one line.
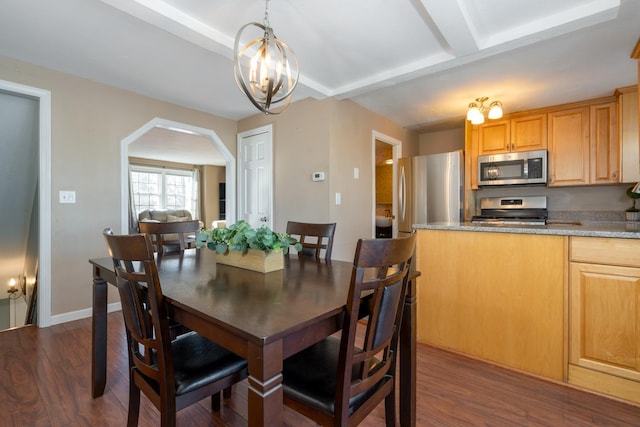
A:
{"points": [[266, 14]]}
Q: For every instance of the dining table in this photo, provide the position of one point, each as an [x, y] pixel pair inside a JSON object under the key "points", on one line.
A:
{"points": [[262, 317]]}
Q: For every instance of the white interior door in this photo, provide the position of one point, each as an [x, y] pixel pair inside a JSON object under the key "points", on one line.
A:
{"points": [[255, 176]]}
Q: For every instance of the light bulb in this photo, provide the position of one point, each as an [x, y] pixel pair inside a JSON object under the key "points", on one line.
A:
{"points": [[477, 119], [495, 110], [473, 110]]}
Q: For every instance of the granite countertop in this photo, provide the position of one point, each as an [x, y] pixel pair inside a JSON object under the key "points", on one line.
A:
{"points": [[618, 229]]}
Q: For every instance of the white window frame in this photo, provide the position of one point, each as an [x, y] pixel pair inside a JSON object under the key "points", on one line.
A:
{"points": [[164, 171]]}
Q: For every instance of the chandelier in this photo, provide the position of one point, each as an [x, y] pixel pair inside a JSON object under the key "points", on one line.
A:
{"points": [[475, 114], [272, 70]]}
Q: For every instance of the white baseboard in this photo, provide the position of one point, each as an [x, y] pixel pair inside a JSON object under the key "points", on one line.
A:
{"points": [[81, 314]]}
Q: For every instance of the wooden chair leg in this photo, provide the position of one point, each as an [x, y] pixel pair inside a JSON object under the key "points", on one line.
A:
{"points": [[134, 404], [215, 402], [226, 393], [390, 409], [168, 416]]}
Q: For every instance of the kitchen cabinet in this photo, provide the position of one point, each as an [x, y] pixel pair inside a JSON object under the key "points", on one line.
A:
{"points": [[588, 142], [568, 147], [529, 132], [494, 137], [604, 322], [523, 133], [629, 134], [603, 143], [496, 296], [583, 144]]}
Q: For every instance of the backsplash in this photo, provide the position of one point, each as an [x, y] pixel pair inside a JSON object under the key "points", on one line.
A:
{"points": [[586, 216], [588, 203]]}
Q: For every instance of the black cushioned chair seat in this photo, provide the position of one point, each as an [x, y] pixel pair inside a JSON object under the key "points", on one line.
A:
{"points": [[310, 376], [198, 361]]}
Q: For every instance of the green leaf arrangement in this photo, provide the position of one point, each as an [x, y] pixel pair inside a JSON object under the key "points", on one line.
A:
{"points": [[241, 237]]}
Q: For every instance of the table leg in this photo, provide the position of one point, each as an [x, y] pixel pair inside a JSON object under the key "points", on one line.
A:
{"points": [[265, 405], [99, 336], [407, 358]]}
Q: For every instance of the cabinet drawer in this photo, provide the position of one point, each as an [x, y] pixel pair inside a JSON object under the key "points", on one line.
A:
{"points": [[609, 251]]}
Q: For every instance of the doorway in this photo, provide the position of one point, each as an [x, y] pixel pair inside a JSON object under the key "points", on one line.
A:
{"points": [[386, 152], [31, 272], [230, 166]]}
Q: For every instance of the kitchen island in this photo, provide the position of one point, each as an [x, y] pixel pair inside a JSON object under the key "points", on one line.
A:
{"points": [[559, 301]]}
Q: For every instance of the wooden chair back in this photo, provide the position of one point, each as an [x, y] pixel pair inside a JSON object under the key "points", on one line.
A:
{"points": [[339, 381], [173, 374], [378, 286], [313, 237], [179, 233], [145, 315]]}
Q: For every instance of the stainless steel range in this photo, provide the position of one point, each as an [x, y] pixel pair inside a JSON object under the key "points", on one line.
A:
{"points": [[528, 210]]}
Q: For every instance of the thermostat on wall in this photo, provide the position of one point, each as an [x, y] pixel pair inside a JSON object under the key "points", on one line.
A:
{"points": [[317, 176]]}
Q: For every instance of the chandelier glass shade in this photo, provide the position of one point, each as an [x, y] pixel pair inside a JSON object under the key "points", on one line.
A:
{"points": [[475, 113], [265, 69]]}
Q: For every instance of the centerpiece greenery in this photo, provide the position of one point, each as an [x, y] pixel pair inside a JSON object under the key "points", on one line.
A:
{"points": [[241, 237]]}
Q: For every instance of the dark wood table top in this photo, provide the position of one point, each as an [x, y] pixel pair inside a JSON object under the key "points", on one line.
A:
{"points": [[255, 306]]}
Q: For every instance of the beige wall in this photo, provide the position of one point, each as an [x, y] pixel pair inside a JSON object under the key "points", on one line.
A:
{"points": [[89, 120], [441, 141], [335, 137]]}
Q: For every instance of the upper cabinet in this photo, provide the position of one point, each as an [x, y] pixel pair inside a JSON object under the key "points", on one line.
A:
{"points": [[629, 134], [583, 144], [523, 133], [529, 132], [604, 145], [494, 137], [588, 142], [569, 147]]}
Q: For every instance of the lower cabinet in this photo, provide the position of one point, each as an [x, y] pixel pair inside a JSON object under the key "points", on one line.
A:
{"points": [[496, 296], [604, 318]]}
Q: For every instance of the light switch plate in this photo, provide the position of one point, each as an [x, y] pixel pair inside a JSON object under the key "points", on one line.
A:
{"points": [[67, 196]]}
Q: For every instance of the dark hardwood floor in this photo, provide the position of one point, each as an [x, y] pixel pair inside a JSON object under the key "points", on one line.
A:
{"points": [[45, 381]]}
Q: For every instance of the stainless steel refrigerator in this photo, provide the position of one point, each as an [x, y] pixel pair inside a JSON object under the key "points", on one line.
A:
{"points": [[430, 189]]}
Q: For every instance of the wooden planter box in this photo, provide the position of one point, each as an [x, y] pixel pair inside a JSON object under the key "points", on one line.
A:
{"points": [[254, 260]]}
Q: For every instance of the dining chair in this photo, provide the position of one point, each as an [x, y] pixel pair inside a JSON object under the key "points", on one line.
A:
{"points": [[313, 238], [178, 233], [173, 374], [339, 381]]}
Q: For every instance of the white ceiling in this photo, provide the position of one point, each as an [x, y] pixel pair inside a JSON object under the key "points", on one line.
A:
{"points": [[417, 62]]}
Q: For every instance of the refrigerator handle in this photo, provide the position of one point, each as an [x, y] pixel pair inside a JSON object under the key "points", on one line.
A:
{"points": [[402, 194]]}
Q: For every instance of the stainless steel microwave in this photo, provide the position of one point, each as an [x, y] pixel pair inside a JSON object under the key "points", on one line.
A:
{"points": [[526, 167]]}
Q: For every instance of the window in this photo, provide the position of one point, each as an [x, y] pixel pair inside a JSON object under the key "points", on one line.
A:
{"points": [[159, 188]]}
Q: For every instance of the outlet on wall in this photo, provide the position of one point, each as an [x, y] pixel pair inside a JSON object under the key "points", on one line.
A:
{"points": [[67, 196]]}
